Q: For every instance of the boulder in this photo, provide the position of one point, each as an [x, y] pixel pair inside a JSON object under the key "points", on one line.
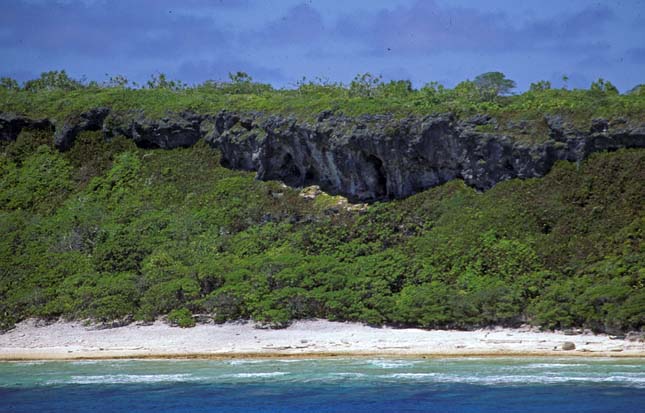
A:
{"points": [[568, 345]]}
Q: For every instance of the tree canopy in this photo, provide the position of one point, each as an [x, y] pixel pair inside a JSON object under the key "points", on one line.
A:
{"points": [[493, 84]]}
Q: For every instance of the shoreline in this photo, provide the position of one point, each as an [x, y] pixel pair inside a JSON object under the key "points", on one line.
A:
{"points": [[317, 356], [317, 339]]}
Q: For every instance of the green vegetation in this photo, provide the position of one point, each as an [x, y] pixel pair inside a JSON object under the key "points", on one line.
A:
{"points": [[57, 96], [108, 231], [182, 318], [493, 84]]}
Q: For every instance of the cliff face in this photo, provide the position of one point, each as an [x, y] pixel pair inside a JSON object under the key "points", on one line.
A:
{"points": [[364, 158], [11, 125], [377, 157]]}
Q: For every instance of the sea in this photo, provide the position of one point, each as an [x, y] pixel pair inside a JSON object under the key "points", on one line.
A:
{"points": [[326, 385]]}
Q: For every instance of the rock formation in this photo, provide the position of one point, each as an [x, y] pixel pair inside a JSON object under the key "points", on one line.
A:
{"points": [[372, 157], [364, 158], [11, 125], [67, 132]]}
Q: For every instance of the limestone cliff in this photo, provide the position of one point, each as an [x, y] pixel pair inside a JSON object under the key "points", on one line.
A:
{"points": [[365, 158]]}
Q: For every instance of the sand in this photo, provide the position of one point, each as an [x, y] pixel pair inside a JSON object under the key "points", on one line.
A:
{"points": [[315, 338]]}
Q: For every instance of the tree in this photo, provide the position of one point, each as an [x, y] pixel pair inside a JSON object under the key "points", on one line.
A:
{"points": [[116, 81], [53, 80], [466, 90], [493, 84], [160, 81], [565, 82], [433, 92], [638, 90], [8, 83], [364, 85], [395, 88], [242, 82], [540, 85], [240, 77], [604, 87]]}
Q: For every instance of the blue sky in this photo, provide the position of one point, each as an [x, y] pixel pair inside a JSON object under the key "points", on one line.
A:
{"points": [[280, 41]]}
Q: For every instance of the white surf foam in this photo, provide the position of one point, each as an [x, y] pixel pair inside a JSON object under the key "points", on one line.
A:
{"points": [[255, 375], [551, 365], [28, 363], [348, 374], [126, 378], [242, 362], [411, 375], [635, 379], [391, 364]]}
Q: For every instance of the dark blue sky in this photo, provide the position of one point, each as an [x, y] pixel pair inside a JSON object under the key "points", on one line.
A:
{"points": [[280, 41]]}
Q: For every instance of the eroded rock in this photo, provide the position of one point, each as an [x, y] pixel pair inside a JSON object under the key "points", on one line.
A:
{"points": [[67, 131], [372, 158], [181, 130], [11, 125], [365, 158]]}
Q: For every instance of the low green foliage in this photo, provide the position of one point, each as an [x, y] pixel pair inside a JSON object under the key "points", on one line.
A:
{"points": [[182, 318], [57, 96], [39, 183]]}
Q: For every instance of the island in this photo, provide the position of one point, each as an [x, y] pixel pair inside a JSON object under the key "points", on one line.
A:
{"points": [[232, 218]]}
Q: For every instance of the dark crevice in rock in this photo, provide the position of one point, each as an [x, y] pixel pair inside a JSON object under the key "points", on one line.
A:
{"points": [[66, 133], [11, 125], [288, 172], [378, 179], [147, 145], [311, 176]]}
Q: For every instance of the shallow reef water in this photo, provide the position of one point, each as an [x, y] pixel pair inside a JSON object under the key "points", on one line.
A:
{"points": [[326, 385]]}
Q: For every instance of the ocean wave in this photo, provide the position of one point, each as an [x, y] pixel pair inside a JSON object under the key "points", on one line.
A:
{"points": [[552, 365], [638, 380], [246, 361], [28, 363], [85, 362], [543, 366], [410, 375], [240, 362], [293, 360], [254, 375], [391, 364], [126, 378], [349, 374]]}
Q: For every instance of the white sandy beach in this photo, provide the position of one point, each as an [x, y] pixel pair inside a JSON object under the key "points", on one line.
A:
{"points": [[66, 340]]}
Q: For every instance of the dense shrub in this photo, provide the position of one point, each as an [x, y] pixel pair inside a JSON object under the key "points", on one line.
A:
{"points": [[182, 318], [58, 96]]}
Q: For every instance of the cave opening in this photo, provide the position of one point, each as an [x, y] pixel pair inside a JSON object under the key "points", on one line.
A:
{"points": [[380, 181], [289, 172], [311, 176], [145, 144]]}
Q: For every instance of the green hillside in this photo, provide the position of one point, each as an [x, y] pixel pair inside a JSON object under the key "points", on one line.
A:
{"points": [[107, 231]]}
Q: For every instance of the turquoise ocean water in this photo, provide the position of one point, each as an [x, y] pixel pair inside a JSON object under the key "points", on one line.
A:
{"points": [[326, 385]]}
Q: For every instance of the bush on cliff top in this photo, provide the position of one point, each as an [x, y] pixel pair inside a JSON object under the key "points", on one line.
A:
{"points": [[56, 95]]}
